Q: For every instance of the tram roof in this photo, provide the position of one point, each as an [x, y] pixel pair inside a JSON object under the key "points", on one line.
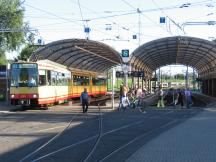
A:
{"points": [[190, 51], [79, 54]]}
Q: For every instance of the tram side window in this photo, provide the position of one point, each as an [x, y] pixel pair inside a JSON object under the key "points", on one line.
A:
{"points": [[53, 78], [103, 82], [95, 81], [48, 77], [65, 79], [58, 79], [80, 80], [85, 81], [42, 77], [98, 81]]}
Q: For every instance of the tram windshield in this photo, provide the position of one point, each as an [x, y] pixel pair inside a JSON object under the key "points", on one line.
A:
{"points": [[24, 75]]}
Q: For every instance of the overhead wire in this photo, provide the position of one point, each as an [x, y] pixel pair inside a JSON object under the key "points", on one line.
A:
{"points": [[105, 17], [62, 18], [145, 15], [52, 14], [110, 16], [81, 13], [176, 24]]}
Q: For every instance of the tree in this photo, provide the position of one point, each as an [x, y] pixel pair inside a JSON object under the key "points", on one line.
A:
{"points": [[27, 51], [179, 76], [3, 60], [11, 21]]}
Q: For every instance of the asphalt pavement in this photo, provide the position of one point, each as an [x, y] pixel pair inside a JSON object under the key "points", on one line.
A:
{"points": [[67, 135]]}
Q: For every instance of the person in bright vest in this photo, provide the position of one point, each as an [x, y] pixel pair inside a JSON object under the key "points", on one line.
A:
{"points": [[84, 98], [160, 98]]}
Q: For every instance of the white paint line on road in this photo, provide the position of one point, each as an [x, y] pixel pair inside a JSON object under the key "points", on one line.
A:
{"points": [[44, 130]]}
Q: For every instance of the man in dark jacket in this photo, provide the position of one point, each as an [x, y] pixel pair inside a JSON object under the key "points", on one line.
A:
{"points": [[84, 98]]}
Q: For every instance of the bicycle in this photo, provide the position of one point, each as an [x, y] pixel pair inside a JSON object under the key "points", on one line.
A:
{"points": [[142, 105], [134, 102], [124, 103]]}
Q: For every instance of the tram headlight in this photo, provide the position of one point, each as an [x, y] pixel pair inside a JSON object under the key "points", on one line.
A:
{"points": [[34, 96], [12, 96]]}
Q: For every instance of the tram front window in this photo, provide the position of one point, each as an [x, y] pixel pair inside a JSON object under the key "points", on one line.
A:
{"points": [[24, 75]]}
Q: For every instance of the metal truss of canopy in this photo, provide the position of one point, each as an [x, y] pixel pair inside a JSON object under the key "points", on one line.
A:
{"points": [[190, 51], [79, 54]]}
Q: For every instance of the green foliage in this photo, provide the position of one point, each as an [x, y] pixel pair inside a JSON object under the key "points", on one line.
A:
{"points": [[11, 17], [27, 51], [3, 60]]}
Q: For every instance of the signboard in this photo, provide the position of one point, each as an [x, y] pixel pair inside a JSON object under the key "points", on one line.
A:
{"points": [[198, 79], [136, 74], [162, 20], [2, 70], [134, 36], [119, 74], [87, 29], [154, 79], [125, 53]]}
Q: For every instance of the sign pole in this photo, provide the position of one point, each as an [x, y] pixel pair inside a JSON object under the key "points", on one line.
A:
{"points": [[113, 91]]}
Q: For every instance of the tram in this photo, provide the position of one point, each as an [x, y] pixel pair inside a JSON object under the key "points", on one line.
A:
{"points": [[45, 82]]}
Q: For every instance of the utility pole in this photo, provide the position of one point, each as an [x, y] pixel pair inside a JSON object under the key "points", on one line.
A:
{"points": [[186, 79], [113, 90], [139, 23], [194, 79]]}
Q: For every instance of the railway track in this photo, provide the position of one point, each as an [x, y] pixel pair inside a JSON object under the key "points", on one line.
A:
{"points": [[99, 139], [101, 136], [50, 140]]}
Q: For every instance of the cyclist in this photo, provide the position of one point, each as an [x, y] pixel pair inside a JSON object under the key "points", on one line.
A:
{"points": [[124, 102], [142, 101]]}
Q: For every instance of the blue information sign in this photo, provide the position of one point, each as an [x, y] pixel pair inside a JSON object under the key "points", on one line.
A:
{"points": [[87, 29], [162, 20], [125, 53], [2, 70]]}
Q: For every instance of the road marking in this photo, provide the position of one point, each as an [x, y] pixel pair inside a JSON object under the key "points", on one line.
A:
{"points": [[43, 130], [52, 139], [85, 140]]}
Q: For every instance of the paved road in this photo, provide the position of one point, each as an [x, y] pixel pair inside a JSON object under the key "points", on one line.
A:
{"points": [[125, 135]]}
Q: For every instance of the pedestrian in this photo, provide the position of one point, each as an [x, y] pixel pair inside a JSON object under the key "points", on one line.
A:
{"points": [[188, 98], [138, 95], [121, 95], [180, 98], [169, 97], [176, 97], [160, 97], [124, 101], [84, 98], [142, 99]]}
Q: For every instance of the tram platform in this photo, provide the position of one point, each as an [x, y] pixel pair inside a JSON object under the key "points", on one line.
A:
{"points": [[190, 141]]}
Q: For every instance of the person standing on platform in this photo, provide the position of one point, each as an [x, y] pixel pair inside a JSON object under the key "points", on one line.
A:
{"points": [[121, 95], [84, 98], [138, 95], [188, 98], [180, 98], [160, 98]]}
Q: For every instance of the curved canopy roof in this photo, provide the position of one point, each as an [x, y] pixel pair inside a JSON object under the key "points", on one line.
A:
{"points": [[80, 54], [195, 52]]}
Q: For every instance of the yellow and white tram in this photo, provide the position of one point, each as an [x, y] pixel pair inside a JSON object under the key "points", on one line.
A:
{"points": [[46, 82]]}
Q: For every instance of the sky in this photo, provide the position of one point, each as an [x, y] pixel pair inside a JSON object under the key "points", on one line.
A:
{"points": [[114, 22]]}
